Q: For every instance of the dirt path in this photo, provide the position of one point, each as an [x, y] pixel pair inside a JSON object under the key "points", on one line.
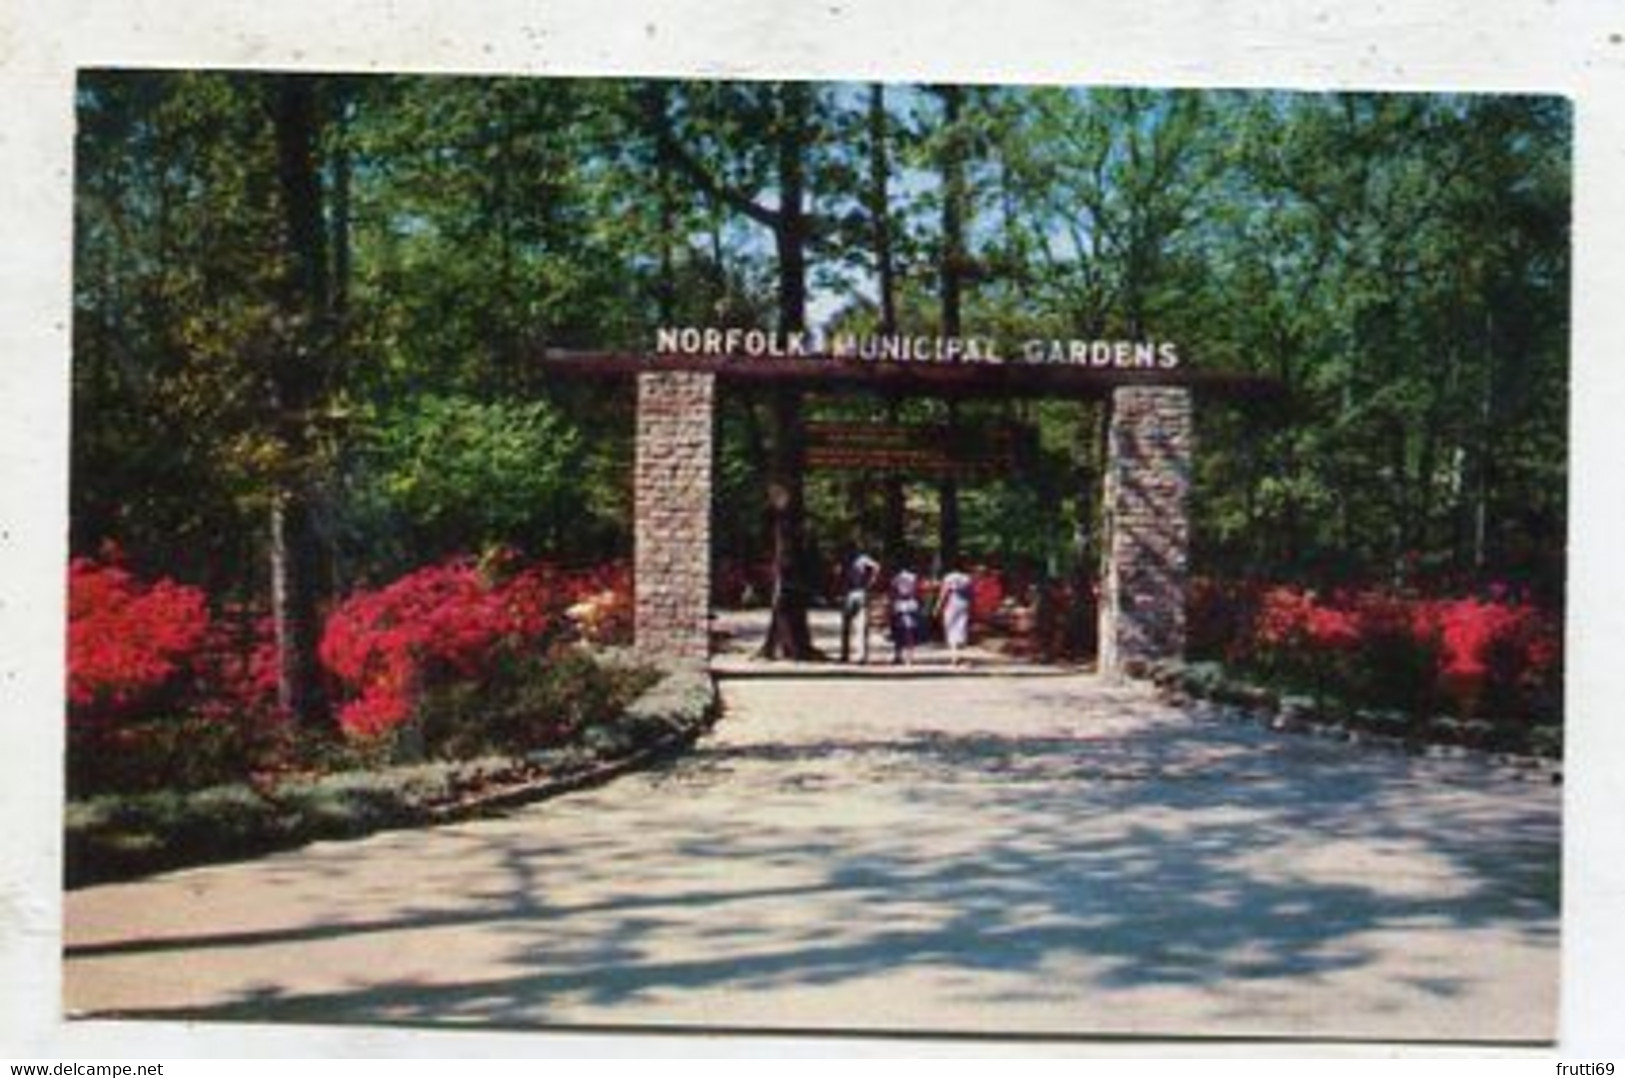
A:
{"points": [[995, 854]]}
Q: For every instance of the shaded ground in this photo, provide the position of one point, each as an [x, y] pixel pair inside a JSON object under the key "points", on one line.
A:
{"points": [[994, 854]]}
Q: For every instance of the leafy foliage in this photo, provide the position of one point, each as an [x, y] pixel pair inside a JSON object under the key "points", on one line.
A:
{"points": [[1490, 656], [454, 622], [163, 693], [458, 474], [114, 836], [1400, 263], [130, 642]]}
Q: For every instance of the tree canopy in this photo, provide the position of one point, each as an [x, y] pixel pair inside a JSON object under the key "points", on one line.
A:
{"points": [[304, 307]]}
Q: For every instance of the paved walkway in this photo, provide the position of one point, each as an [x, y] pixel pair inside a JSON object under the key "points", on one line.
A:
{"points": [[953, 854]]}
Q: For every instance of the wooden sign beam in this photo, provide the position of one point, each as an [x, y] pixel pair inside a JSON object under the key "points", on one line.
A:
{"points": [[910, 378], [918, 449]]}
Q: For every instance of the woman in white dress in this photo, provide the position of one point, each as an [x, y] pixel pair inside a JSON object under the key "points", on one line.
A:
{"points": [[953, 605]]}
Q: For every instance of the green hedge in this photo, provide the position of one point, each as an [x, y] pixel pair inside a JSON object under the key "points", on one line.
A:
{"points": [[1213, 681], [117, 837]]}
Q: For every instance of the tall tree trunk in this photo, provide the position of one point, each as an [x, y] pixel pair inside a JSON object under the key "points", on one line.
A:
{"points": [[893, 530], [1482, 477], [788, 634], [511, 374], [661, 153], [666, 284], [341, 208], [880, 208], [295, 562], [329, 566], [298, 380], [1088, 534], [951, 281]]}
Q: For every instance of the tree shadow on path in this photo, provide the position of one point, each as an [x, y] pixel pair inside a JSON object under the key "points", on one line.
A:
{"points": [[1007, 872]]}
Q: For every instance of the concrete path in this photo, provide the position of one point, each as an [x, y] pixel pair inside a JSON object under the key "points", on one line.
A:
{"points": [[1000, 855]]}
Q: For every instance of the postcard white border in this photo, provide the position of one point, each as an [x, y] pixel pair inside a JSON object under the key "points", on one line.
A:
{"points": [[1572, 47]]}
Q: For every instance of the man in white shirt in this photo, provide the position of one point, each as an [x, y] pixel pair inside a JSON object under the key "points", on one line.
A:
{"points": [[861, 573]]}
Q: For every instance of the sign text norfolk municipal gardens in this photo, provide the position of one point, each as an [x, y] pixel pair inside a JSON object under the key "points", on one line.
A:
{"points": [[911, 348]]}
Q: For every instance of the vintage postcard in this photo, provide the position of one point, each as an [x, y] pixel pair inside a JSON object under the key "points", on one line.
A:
{"points": [[790, 555]]}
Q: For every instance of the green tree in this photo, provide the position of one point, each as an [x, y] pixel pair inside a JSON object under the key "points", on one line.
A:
{"points": [[449, 474], [788, 114]]}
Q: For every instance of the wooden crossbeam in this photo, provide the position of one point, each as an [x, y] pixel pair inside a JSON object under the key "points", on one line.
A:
{"points": [[915, 377]]}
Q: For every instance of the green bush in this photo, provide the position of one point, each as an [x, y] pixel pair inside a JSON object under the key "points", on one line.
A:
{"points": [[182, 752], [452, 473], [1396, 669], [117, 836], [1547, 741], [525, 703], [1201, 678]]}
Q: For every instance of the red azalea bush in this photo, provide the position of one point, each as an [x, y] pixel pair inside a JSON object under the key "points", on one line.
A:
{"points": [[738, 584], [236, 667], [1490, 655], [131, 643], [440, 622], [450, 622], [1497, 655], [162, 693], [1396, 658], [139, 649], [1294, 620], [986, 595]]}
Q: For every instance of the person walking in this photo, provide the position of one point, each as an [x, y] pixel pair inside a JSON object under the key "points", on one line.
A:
{"points": [[861, 572], [905, 615], [954, 607]]}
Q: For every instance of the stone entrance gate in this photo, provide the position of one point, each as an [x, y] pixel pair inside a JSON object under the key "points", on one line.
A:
{"points": [[1146, 484], [672, 490]]}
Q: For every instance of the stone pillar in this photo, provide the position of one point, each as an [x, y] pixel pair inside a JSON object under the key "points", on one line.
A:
{"points": [[1146, 529], [672, 496]]}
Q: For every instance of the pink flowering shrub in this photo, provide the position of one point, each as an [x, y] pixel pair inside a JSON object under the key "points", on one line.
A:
{"points": [[161, 693], [1497, 655], [165, 693], [986, 595], [1476, 655], [450, 622], [236, 668], [131, 643]]}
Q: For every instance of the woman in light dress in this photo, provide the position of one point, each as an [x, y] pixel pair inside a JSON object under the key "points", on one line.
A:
{"points": [[905, 615], [953, 606]]}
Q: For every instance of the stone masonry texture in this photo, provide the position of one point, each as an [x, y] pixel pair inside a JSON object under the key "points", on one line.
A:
{"points": [[672, 490], [1147, 528]]}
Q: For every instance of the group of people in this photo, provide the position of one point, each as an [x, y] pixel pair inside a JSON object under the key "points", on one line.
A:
{"points": [[905, 611]]}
